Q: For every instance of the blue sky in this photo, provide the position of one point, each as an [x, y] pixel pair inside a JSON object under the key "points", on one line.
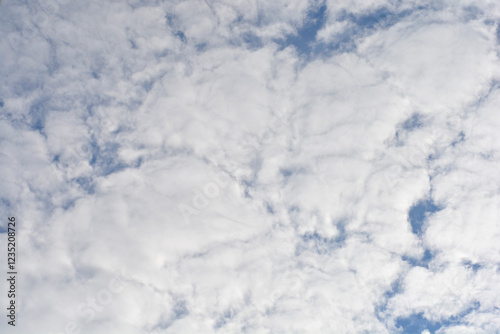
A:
{"points": [[252, 166]]}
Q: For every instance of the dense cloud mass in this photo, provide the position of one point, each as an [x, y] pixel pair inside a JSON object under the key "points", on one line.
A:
{"points": [[252, 166]]}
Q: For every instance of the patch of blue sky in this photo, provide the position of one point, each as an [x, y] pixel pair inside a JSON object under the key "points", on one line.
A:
{"points": [[5, 202], [269, 208], [380, 18], [343, 42], [472, 12], [472, 266], [381, 309], [420, 212], [179, 34], [173, 24], [86, 183], [413, 122], [252, 41], [179, 311], [147, 85], [288, 173], [200, 47], [320, 244], [417, 323], [361, 25], [133, 45], [420, 262], [224, 319], [27, 85], [396, 288], [305, 38], [494, 85], [459, 139], [105, 159], [38, 113], [53, 63]]}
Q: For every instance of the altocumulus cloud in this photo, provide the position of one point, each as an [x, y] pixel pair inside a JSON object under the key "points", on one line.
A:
{"points": [[338, 160]]}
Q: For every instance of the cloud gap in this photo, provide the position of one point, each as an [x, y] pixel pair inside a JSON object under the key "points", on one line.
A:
{"points": [[419, 212], [305, 38]]}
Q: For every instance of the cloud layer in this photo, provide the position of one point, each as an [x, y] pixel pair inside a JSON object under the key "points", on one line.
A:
{"points": [[252, 166]]}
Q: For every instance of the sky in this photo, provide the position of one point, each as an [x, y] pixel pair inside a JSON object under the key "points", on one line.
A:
{"points": [[251, 166]]}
